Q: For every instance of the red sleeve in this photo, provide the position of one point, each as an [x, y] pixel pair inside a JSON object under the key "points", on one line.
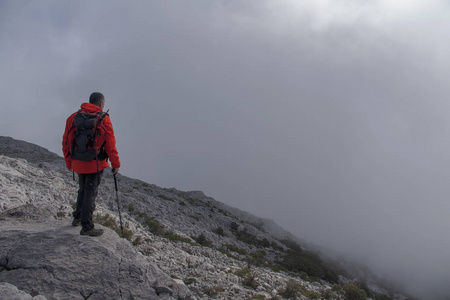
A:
{"points": [[67, 143], [110, 143]]}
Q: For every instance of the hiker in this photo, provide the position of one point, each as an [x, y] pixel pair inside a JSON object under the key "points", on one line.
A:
{"points": [[88, 157]]}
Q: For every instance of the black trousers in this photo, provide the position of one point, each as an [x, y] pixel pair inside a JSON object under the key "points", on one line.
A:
{"points": [[87, 192]]}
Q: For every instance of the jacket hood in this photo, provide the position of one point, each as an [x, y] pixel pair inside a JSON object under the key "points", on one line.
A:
{"points": [[90, 108]]}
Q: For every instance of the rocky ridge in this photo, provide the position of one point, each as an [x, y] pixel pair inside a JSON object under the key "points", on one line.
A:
{"points": [[184, 245]]}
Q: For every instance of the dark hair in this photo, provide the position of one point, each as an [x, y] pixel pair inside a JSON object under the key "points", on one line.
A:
{"points": [[96, 98]]}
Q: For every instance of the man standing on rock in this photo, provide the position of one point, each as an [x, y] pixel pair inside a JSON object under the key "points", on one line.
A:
{"points": [[88, 142]]}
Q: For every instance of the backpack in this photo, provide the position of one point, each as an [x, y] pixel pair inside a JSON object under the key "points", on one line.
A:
{"points": [[88, 136]]}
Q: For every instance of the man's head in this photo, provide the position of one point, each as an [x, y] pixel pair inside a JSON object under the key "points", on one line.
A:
{"points": [[98, 99]]}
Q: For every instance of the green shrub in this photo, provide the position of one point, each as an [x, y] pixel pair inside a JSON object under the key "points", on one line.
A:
{"points": [[291, 290], [213, 291], [328, 295], [195, 218], [265, 243], [165, 198], [225, 213], [194, 202], [224, 251], [202, 240], [61, 213], [354, 292], [275, 246], [137, 240], [276, 268], [109, 222], [131, 208], [127, 234], [311, 295], [248, 238], [256, 258], [337, 289], [154, 226], [219, 231], [182, 203], [175, 237], [236, 249], [298, 260], [250, 282], [244, 272], [234, 226]]}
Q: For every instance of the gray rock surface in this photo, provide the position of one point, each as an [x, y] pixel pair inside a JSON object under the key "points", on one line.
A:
{"points": [[21, 149], [52, 259], [11, 292]]}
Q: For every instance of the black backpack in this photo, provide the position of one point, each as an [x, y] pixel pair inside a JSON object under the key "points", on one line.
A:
{"points": [[85, 146]]}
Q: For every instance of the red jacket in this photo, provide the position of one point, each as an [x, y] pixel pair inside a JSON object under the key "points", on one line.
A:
{"points": [[88, 167]]}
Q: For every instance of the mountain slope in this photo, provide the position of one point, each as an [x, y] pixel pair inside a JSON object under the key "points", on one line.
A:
{"points": [[211, 249]]}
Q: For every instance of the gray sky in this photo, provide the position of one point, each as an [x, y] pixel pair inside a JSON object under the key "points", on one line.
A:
{"points": [[330, 117]]}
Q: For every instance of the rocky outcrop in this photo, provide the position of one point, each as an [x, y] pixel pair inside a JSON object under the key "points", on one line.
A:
{"points": [[11, 292], [51, 258], [21, 149]]}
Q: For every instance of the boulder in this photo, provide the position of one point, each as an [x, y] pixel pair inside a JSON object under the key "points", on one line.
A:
{"points": [[11, 292], [53, 260]]}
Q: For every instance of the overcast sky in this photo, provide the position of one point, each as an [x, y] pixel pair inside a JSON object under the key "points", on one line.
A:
{"points": [[330, 117]]}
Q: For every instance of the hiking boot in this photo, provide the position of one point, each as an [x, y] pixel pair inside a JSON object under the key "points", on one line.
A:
{"points": [[76, 222], [92, 232]]}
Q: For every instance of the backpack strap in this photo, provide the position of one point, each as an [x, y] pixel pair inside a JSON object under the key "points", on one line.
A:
{"points": [[100, 120]]}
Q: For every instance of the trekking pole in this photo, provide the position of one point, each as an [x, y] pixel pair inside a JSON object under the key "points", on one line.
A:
{"points": [[118, 204]]}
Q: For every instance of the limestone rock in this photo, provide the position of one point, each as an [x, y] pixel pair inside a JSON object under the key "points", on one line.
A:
{"points": [[10, 292], [54, 260]]}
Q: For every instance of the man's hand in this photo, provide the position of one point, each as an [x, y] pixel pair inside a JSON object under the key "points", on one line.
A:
{"points": [[115, 171]]}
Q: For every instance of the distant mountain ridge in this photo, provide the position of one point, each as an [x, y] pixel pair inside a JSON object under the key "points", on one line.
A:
{"points": [[209, 249]]}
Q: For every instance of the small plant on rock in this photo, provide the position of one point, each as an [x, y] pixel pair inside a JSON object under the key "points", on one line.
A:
{"points": [[195, 218], [250, 282], [202, 240], [256, 258], [176, 237], [165, 197], [60, 213], [137, 240], [244, 272], [224, 251], [234, 226], [109, 222], [219, 231], [311, 295], [328, 295], [235, 249], [213, 291], [291, 290], [354, 292]]}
